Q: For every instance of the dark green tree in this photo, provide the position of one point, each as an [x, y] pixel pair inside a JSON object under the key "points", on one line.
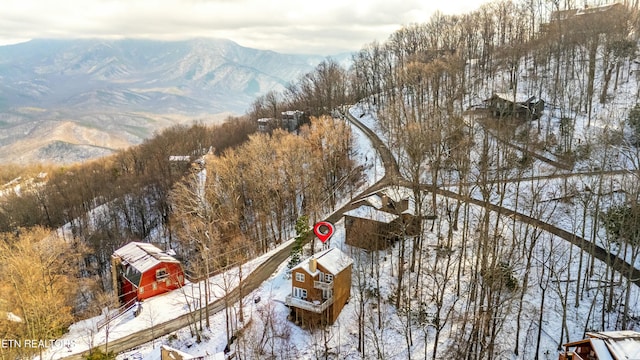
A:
{"points": [[302, 232]]}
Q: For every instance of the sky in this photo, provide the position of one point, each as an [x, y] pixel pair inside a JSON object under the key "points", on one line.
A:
{"points": [[325, 27]]}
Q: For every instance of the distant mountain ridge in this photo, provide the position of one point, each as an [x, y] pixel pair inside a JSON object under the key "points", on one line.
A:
{"points": [[125, 90]]}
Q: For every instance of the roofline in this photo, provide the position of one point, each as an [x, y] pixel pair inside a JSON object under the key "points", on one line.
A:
{"points": [[625, 334], [170, 259], [577, 343], [302, 264]]}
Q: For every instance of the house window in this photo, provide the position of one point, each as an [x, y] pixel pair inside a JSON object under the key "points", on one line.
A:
{"points": [[141, 290], [154, 285], [161, 274], [328, 278], [299, 293], [327, 294], [299, 277]]}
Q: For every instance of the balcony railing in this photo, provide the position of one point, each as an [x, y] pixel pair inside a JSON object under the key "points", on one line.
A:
{"points": [[315, 307], [323, 285]]}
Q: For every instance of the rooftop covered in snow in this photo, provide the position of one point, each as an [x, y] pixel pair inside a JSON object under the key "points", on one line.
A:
{"points": [[333, 260], [143, 256], [610, 345], [370, 213]]}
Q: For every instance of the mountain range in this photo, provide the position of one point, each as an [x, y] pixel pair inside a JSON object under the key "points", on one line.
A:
{"points": [[65, 101]]}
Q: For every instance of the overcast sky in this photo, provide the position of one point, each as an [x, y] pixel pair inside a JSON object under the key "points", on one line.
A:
{"points": [[322, 27]]}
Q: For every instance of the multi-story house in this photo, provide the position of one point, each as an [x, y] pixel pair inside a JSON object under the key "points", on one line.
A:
{"points": [[320, 287], [141, 270], [381, 218]]}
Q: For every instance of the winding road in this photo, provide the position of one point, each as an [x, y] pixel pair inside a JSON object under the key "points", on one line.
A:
{"points": [[392, 177], [253, 280]]}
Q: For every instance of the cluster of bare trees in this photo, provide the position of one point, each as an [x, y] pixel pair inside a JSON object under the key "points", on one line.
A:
{"points": [[250, 202], [246, 200], [476, 283], [478, 273], [261, 188], [106, 203], [317, 93], [39, 277]]}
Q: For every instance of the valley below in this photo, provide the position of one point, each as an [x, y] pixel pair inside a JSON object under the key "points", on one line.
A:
{"points": [[68, 101]]}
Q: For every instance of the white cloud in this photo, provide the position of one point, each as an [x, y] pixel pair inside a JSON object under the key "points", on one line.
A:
{"points": [[297, 26]]}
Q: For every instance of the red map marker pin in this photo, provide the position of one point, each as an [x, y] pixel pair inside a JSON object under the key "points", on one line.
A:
{"points": [[323, 230]]}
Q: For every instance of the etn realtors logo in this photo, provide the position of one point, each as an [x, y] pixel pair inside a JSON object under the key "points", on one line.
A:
{"points": [[33, 344]]}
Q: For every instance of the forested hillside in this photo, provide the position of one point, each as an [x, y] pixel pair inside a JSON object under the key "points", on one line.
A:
{"points": [[254, 193], [483, 281], [508, 287], [500, 198]]}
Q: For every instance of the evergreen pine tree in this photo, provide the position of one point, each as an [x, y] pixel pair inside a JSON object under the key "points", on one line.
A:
{"points": [[302, 231]]}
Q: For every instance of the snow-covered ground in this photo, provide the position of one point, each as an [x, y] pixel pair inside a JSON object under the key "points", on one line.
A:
{"points": [[156, 310], [270, 330], [159, 309], [267, 331], [271, 305]]}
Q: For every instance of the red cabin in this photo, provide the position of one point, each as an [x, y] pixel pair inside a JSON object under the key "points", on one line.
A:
{"points": [[141, 270]]}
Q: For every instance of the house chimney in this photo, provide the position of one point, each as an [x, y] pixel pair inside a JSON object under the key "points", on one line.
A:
{"points": [[313, 265], [115, 261]]}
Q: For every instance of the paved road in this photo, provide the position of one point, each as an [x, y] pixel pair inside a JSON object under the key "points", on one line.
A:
{"points": [[393, 176], [252, 281], [560, 165]]}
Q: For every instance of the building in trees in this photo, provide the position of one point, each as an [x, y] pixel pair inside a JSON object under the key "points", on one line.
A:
{"points": [[380, 219], [141, 270], [517, 105], [292, 120], [320, 287], [369, 228], [265, 125], [289, 120], [578, 19], [604, 345]]}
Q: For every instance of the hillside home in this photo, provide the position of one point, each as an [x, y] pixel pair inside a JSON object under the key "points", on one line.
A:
{"points": [[369, 228], [292, 120], [265, 125], [587, 13], [289, 121], [141, 270], [320, 287], [589, 20], [517, 105], [607, 345], [380, 219], [178, 163]]}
